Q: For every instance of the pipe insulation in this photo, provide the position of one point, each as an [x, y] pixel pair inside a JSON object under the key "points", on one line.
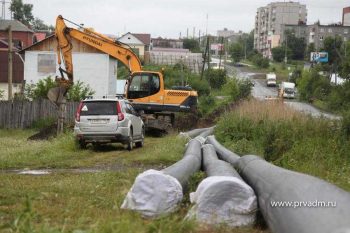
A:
{"points": [[315, 206], [222, 152], [306, 204], [223, 197], [207, 132], [155, 193], [192, 133]]}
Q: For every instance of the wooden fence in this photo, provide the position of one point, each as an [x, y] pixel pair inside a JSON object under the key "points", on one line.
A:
{"points": [[22, 114]]}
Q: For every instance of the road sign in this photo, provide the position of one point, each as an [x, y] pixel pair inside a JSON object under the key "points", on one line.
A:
{"points": [[319, 57]]}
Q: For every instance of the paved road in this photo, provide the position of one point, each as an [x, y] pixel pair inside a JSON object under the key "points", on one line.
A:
{"points": [[261, 91]]}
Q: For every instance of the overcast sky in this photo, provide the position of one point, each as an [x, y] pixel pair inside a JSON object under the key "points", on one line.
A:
{"points": [[167, 18]]}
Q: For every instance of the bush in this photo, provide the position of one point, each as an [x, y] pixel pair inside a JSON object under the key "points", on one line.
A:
{"points": [[206, 104], [77, 91], [200, 85], [39, 90], [259, 61], [346, 123], [238, 89], [289, 139], [231, 88], [216, 78]]}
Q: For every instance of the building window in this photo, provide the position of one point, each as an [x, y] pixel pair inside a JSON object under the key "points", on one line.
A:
{"points": [[321, 29], [346, 31], [46, 63], [321, 37], [329, 29]]}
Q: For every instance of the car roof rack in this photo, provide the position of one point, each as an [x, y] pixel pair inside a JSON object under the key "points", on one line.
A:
{"points": [[117, 96]]}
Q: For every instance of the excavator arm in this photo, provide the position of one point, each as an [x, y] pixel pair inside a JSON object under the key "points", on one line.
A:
{"points": [[64, 36]]}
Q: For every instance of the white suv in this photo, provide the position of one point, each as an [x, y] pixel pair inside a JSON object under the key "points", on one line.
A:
{"points": [[108, 120]]}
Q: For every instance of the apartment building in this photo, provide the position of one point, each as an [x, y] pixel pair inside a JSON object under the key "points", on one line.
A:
{"points": [[316, 33], [268, 23], [346, 16]]}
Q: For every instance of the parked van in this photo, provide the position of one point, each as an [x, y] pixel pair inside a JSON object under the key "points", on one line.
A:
{"points": [[287, 90], [216, 65], [271, 79]]}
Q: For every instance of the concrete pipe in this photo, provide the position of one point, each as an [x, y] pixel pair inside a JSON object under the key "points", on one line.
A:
{"points": [[155, 193], [223, 197], [207, 132], [192, 133], [222, 152], [290, 201], [188, 165], [293, 202]]}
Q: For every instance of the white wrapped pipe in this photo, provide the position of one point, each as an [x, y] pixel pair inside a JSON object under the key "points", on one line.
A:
{"points": [[156, 193], [223, 197]]}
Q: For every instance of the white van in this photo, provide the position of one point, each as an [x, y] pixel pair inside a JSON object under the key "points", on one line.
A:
{"points": [[271, 79], [287, 90]]}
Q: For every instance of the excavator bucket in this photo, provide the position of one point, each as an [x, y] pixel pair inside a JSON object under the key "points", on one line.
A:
{"points": [[57, 95]]}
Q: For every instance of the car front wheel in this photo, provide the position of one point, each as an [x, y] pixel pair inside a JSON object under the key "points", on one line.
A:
{"points": [[140, 143], [130, 144]]}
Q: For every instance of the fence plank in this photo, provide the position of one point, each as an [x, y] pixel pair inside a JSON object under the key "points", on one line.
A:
{"points": [[22, 114]]}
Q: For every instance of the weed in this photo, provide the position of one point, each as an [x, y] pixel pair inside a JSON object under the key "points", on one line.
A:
{"points": [[288, 139]]}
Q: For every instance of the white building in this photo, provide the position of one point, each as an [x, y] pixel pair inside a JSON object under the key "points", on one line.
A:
{"points": [[90, 66]]}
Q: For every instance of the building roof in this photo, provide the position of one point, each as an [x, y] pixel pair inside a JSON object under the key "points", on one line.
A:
{"points": [[144, 37], [16, 26], [173, 50], [40, 36], [5, 45], [130, 39], [30, 46]]}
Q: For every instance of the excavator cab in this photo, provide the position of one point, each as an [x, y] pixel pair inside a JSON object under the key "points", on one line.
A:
{"points": [[143, 85]]}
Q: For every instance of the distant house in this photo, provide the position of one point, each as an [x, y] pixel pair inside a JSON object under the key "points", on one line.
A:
{"points": [[138, 42], [21, 34], [22, 37], [90, 66], [167, 43]]}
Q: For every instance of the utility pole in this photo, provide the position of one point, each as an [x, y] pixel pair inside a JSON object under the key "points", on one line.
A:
{"points": [[245, 48], [10, 61], [285, 49], [221, 51]]}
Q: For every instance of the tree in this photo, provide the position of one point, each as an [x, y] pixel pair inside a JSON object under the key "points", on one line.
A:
{"points": [[39, 24], [192, 45], [260, 61], [310, 48], [22, 12], [236, 51], [333, 45], [296, 45], [278, 53], [345, 66]]}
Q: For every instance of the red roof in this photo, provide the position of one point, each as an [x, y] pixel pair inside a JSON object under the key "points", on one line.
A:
{"points": [[143, 37], [40, 36]]}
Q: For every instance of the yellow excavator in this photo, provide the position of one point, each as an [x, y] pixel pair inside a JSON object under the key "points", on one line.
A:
{"points": [[145, 89]]}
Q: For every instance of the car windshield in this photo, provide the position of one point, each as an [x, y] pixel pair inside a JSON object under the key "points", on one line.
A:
{"points": [[289, 90], [99, 108]]}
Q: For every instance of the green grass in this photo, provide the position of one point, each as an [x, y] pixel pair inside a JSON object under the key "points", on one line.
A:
{"points": [[288, 139], [86, 202], [62, 152]]}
